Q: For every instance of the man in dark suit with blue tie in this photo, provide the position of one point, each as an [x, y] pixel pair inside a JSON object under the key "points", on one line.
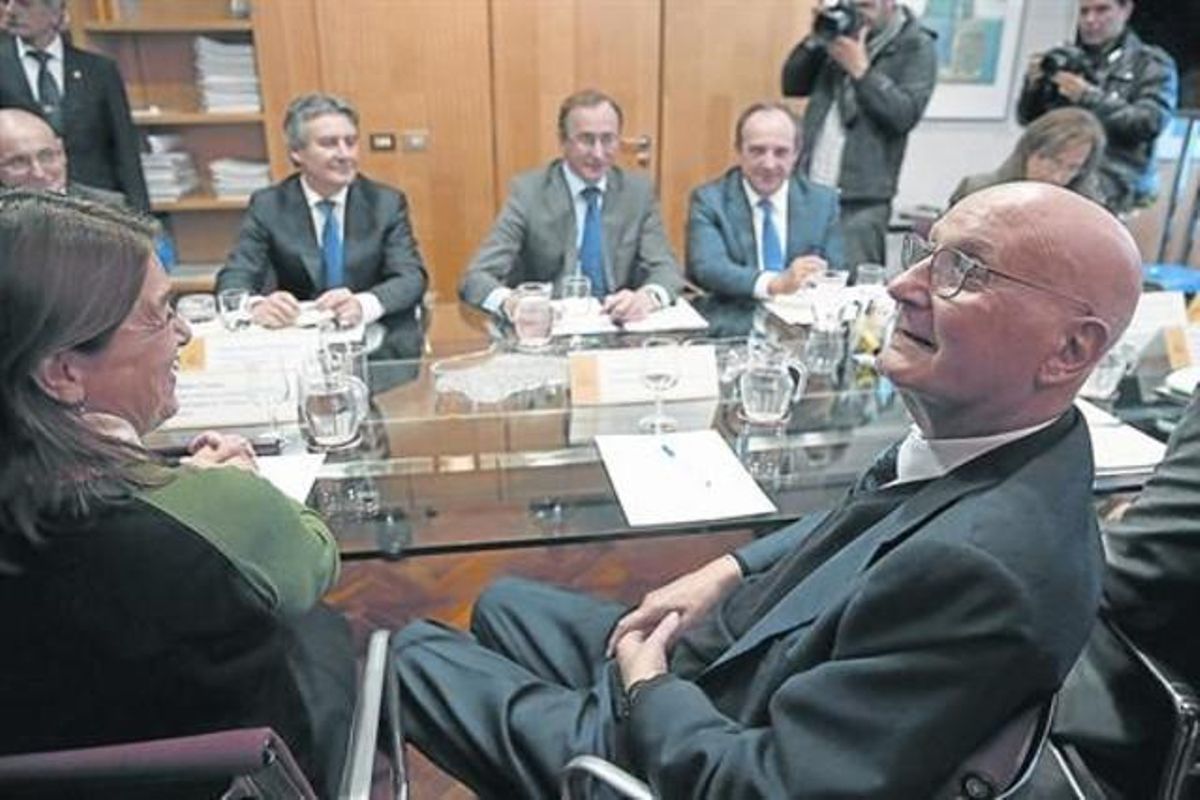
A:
{"points": [[80, 94], [760, 229], [580, 214], [865, 651], [331, 235]]}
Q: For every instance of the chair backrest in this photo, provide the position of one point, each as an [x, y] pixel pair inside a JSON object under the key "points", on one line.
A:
{"points": [[1006, 761], [254, 762], [581, 771]]}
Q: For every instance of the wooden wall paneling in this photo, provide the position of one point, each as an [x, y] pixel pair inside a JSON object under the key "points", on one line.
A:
{"points": [[289, 64], [718, 57], [421, 66], [543, 50], [205, 238]]}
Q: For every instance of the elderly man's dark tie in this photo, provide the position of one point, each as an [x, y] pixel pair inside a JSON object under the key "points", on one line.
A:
{"points": [[591, 246], [49, 95], [332, 256]]}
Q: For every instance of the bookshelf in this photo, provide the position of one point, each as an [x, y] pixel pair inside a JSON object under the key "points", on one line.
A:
{"points": [[152, 42]]}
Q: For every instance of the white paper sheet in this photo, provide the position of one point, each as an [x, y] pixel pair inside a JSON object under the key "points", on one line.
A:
{"points": [[681, 316], [1118, 448], [679, 477], [294, 475]]}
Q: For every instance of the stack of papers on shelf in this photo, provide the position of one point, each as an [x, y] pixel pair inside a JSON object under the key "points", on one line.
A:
{"points": [[679, 477], [169, 176], [227, 75], [234, 177]]}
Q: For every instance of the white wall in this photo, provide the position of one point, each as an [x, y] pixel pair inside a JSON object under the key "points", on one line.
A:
{"points": [[941, 152]]}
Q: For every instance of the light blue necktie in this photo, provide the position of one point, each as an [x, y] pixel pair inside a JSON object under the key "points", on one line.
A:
{"points": [[332, 258], [772, 253], [591, 246]]}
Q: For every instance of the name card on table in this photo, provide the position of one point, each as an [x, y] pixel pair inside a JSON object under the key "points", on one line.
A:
{"points": [[610, 377], [676, 478], [682, 316]]}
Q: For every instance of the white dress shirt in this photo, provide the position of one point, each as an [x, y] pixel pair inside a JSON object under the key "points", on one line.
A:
{"points": [[32, 67], [779, 215], [922, 459], [825, 166]]}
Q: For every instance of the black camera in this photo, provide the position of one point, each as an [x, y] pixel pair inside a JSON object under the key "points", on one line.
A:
{"points": [[839, 19], [1064, 58]]}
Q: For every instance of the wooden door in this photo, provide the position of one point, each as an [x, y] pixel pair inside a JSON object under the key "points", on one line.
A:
{"points": [[543, 50], [418, 72], [718, 57]]}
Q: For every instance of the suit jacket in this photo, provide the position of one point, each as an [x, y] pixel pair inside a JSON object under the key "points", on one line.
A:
{"points": [[1108, 709], [722, 255], [879, 672], [533, 239], [101, 141], [277, 249]]}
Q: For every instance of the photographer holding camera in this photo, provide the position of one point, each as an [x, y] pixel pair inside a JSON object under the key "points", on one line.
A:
{"points": [[868, 69], [1129, 85]]}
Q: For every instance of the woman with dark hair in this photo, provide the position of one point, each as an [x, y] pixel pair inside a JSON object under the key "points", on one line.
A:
{"points": [[138, 599], [1062, 147]]}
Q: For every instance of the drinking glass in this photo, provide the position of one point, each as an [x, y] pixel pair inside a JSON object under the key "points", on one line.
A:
{"points": [[533, 316], [271, 384], [870, 275], [333, 406], [577, 302], [233, 305], [660, 372], [824, 350], [197, 308]]}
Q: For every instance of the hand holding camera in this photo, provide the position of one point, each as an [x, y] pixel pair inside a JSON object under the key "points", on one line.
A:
{"points": [[840, 27], [1062, 75]]}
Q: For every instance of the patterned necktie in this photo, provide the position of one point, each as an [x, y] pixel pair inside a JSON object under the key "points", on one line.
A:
{"points": [[49, 96], [331, 247], [591, 246], [881, 472], [772, 252]]}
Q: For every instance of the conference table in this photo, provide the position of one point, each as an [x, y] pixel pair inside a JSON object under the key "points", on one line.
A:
{"points": [[485, 449]]}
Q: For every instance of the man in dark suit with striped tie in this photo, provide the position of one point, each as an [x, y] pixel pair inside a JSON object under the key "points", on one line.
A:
{"points": [[331, 235], [80, 94]]}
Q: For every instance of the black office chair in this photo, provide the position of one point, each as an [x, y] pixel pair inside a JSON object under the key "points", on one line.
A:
{"points": [[997, 770], [1180, 768], [251, 762]]}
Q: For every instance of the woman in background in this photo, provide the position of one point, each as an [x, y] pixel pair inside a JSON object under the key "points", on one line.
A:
{"points": [[1062, 147], [140, 600]]}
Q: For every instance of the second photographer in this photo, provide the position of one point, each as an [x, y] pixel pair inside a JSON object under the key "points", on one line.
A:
{"points": [[1129, 85], [868, 69]]}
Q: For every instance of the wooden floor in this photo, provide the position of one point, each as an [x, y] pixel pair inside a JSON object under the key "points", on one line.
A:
{"points": [[382, 594]]}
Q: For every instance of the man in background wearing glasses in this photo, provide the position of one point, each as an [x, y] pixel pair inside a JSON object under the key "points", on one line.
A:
{"points": [[868, 650], [32, 157], [581, 214]]}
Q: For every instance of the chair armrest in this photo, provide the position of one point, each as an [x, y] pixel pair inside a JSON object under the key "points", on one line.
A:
{"points": [[364, 732], [1185, 705], [580, 768]]}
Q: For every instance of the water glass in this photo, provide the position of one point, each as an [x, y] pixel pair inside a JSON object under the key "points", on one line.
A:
{"points": [[234, 307], [576, 293], [660, 372], [533, 316], [333, 406], [271, 385], [197, 308], [870, 275], [824, 350]]}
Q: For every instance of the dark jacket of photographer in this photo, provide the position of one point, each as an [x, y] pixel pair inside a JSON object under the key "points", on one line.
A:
{"points": [[878, 111], [1136, 95]]}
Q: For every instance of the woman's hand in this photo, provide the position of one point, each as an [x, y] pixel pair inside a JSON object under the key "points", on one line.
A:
{"points": [[213, 449]]}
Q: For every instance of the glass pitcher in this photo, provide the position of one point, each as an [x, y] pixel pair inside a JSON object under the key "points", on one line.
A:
{"points": [[771, 381]]}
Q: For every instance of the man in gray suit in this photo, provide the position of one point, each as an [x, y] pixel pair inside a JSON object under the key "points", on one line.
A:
{"points": [[32, 157], [760, 229], [867, 651], [580, 213], [330, 234]]}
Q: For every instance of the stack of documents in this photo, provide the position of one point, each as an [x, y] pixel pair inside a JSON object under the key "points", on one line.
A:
{"points": [[1119, 450], [681, 316], [234, 177], [228, 77], [169, 176]]}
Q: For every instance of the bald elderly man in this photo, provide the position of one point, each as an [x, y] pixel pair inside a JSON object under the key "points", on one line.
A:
{"points": [[862, 652], [32, 157]]}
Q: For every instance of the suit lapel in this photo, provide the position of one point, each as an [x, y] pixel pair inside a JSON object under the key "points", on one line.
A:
{"points": [[298, 218], [808, 599], [12, 74], [741, 217], [798, 222], [355, 229], [612, 215], [560, 208], [74, 85]]}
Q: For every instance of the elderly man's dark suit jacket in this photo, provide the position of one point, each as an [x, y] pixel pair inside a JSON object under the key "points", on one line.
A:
{"points": [[875, 674], [722, 254], [101, 141], [533, 238], [277, 249], [1108, 709]]}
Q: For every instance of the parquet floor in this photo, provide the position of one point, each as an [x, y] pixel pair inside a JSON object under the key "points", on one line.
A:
{"points": [[381, 594]]}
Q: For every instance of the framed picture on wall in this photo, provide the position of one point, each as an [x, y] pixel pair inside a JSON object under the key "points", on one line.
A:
{"points": [[977, 47]]}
